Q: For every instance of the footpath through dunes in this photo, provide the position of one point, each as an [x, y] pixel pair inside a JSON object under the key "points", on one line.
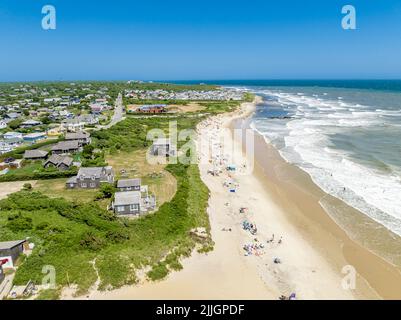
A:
{"points": [[7, 188]]}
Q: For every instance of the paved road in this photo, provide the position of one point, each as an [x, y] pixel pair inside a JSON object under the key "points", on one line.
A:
{"points": [[118, 113]]}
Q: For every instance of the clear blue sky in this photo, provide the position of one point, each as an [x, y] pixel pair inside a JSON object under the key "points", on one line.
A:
{"points": [[220, 39]]}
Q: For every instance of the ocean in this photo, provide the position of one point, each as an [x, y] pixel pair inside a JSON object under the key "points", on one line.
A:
{"points": [[345, 134]]}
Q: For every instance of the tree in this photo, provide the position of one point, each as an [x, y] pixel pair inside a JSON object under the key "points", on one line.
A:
{"points": [[106, 191], [45, 120], [27, 186], [14, 124], [87, 151]]}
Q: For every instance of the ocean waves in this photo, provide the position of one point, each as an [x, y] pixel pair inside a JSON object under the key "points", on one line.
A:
{"points": [[350, 148]]}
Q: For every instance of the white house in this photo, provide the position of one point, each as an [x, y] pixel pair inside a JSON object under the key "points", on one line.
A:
{"points": [[12, 135]]}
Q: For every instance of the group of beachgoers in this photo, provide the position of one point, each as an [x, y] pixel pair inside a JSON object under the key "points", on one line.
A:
{"points": [[223, 168]]}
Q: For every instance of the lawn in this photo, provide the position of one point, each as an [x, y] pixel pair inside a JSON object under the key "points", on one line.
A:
{"points": [[28, 167], [134, 165], [55, 188]]}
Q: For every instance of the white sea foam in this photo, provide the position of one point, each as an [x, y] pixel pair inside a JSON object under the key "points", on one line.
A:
{"points": [[307, 144]]}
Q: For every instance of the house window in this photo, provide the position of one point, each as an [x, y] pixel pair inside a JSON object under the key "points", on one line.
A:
{"points": [[83, 185], [92, 185], [134, 207], [120, 208]]}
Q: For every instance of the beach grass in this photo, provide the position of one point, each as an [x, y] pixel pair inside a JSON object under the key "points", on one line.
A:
{"points": [[85, 243], [70, 230]]}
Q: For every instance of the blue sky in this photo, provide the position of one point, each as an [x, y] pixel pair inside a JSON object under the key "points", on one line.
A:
{"points": [[179, 40]]}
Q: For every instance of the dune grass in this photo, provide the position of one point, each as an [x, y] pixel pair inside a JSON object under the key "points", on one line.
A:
{"points": [[70, 235]]}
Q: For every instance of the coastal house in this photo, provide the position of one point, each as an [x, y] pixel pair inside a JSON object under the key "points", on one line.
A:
{"points": [[88, 119], [30, 124], [72, 125], [91, 177], [128, 202], [35, 155], [51, 100], [9, 144], [34, 137], [12, 115], [82, 137], [162, 147], [78, 123], [129, 185], [12, 135], [154, 108], [96, 108], [65, 147], [54, 132], [11, 250], [62, 163], [5, 147], [10, 163]]}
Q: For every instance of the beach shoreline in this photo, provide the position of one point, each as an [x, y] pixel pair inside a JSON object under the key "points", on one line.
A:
{"points": [[313, 251], [301, 199]]}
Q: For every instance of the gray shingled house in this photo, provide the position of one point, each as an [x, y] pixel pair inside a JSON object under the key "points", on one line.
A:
{"points": [[60, 162], [64, 147], [11, 250], [129, 184], [91, 178], [35, 154], [82, 137], [162, 147], [127, 202]]}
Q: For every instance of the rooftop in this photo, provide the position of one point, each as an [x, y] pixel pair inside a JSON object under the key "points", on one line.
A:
{"points": [[66, 145], [127, 198], [35, 153], [76, 135], [128, 183], [10, 244], [56, 159]]}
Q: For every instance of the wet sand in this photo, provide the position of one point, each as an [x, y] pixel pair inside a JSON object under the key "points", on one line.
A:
{"points": [[294, 191]]}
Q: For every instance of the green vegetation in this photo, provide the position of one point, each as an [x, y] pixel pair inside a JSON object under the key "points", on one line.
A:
{"points": [[19, 152], [55, 188], [79, 237], [34, 170], [49, 294], [69, 235]]}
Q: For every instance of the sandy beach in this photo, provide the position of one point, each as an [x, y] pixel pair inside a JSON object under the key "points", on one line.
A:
{"points": [[307, 254]]}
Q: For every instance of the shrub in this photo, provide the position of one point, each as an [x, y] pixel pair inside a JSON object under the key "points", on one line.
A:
{"points": [[19, 223], [27, 186], [91, 241], [159, 271]]}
